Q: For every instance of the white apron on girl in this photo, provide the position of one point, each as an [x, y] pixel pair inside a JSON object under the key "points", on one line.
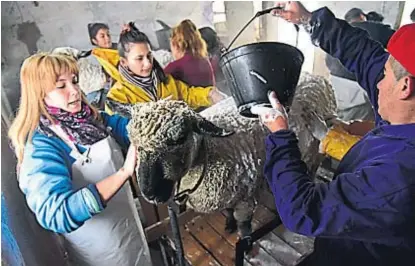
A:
{"points": [[114, 237]]}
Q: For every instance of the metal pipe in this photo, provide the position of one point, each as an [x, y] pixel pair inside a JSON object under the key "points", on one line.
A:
{"points": [[176, 234], [162, 243]]}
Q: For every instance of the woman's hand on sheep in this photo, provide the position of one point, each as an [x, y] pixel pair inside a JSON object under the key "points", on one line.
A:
{"points": [[130, 162], [292, 11], [109, 186], [275, 118]]}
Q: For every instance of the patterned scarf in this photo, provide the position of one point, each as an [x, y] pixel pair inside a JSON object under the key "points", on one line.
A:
{"points": [[81, 127], [149, 84]]}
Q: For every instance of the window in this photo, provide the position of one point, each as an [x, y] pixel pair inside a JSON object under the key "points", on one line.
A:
{"points": [[219, 14]]}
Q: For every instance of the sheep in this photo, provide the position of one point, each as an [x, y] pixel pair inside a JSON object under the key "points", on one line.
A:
{"points": [[219, 148]]}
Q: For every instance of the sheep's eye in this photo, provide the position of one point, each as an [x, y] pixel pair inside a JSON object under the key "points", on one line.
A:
{"points": [[177, 140]]}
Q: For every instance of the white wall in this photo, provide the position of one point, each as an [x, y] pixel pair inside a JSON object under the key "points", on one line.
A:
{"points": [[409, 6]]}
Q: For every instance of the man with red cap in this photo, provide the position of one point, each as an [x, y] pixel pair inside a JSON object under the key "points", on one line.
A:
{"points": [[366, 215]]}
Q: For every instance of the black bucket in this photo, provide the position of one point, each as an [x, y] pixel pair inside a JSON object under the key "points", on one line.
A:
{"points": [[254, 69]]}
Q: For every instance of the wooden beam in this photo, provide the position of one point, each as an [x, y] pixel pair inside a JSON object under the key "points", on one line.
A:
{"points": [[195, 253], [155, 231]]}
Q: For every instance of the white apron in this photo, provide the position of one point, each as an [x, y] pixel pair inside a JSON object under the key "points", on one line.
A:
{"points": [[114, 237]]}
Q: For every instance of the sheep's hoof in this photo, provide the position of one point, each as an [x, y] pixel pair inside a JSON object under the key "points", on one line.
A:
{"points": [[231, 225]]}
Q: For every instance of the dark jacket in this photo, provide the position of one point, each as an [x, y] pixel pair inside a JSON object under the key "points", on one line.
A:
{"points": [[366, 215], [377, 31]]}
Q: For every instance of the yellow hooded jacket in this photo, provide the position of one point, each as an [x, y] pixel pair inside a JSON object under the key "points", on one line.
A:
{"points": [[126, 93]]}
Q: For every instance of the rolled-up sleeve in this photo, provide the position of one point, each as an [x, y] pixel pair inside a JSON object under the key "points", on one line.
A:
{"points": [[45, 179]]}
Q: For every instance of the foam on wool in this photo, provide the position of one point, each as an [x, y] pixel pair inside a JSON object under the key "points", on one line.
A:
{"points": [[147, 120]]}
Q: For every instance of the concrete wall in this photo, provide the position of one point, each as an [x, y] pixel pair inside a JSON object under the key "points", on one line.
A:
{"points": [[30, 26], [389, 9], [238, 13]]}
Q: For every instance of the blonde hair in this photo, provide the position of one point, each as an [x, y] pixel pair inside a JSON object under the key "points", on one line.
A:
{"points": [[38, 76], [187, 38]]}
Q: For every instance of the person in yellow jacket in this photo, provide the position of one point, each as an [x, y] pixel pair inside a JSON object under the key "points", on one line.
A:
{"points": [[140, 78]]}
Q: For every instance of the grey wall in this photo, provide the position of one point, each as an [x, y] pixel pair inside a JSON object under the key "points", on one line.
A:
{"points": [[389, 9], [30, 26]]}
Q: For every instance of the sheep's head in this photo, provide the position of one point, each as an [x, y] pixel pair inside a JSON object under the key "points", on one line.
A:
{"points": [[75, 53], [167, 135]]}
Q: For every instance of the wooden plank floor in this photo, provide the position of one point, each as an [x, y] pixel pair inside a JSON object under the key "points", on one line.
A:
{"points": [[206, 243]]}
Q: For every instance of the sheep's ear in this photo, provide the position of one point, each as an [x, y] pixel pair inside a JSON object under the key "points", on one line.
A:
{"points": [[204, 127], [83, 54]]}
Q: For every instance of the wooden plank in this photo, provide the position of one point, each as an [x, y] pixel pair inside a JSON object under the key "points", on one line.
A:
{"points": [[278, 249], [162, 211], [261, 216], [259, 257], [148, 212], [156, 230], [195, 254], [217, 221], [304, 245], [212, 241]]}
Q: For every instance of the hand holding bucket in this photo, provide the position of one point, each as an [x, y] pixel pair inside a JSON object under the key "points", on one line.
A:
{"points": [[275, 117]]}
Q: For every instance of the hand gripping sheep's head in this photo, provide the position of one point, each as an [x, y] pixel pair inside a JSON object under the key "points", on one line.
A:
{"points": [[168, 135]]}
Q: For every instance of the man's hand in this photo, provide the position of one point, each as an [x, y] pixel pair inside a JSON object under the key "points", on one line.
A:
{"points": [[292, 11], [274, 118]]}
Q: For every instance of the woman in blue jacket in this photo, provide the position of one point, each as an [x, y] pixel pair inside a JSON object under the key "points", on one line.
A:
{"points": [[71, 167]]}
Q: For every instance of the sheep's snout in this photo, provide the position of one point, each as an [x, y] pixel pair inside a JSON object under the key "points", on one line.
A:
{"points": [[154, 187]]}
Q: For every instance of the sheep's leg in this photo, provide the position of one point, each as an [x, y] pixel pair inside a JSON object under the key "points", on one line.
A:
{"points": [[243, 214], [230, 226]]}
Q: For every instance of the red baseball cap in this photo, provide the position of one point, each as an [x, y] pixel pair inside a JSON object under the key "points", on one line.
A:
{"points": [[402, 47]]}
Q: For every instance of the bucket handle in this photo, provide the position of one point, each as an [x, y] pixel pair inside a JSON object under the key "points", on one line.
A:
{"points": [[258, 14]]}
